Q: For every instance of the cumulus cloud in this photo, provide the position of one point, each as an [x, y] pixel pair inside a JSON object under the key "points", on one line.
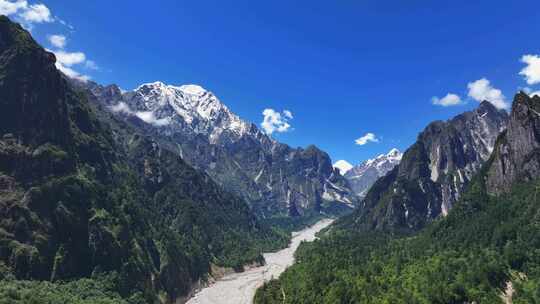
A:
{"points": [[482, 89], [9, 8], [274, 121], [25, 12], [146, 116], [58, 41], [66, 60], [36, 13], [369, 137], [30, 14], [531, 72], [447, 101], [69, 59]]}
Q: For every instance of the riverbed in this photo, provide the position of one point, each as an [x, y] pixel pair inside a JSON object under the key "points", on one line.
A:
{"points": [[239, 288]]}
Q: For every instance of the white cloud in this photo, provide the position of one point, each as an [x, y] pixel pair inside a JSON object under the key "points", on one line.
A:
{"points": [[65, 62], [121, 107], [369, 137], [9, 8], [69, 59], [28, 14], [343, 166], [37, 13], [276, 122], [149, 117], [481, 90], [288, 114], [447, 101], [146, 116], [58, 41], [71, 73], [90, 64], [532, 71]]}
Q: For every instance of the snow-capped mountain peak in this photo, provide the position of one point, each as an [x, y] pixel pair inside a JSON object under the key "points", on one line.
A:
{"points": [[194, 123], [362, 177], [394, 153], [193, 89], [186, 107], [343, 166]]}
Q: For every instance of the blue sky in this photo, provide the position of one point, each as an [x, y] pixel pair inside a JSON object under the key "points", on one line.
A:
{"points": [[343, 68]]}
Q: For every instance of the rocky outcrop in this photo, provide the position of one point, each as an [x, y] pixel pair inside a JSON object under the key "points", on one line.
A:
{"points": [[363, 176], [433, 172], [273, 177], [517, 154]]}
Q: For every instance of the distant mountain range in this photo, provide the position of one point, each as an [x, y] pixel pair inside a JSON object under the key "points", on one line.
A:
{"points": [[364, 175], [273, 177]]}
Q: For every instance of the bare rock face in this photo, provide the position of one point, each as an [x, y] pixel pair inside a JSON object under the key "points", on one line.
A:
{"points": [[517, 155], [273, 177], [433, 172]]}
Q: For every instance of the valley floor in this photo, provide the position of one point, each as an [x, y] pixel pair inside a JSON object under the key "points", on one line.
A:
{"points": [[239, 288]]}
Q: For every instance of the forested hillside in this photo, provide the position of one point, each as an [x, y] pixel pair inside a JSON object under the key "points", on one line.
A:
{"points": [[85, 199]]}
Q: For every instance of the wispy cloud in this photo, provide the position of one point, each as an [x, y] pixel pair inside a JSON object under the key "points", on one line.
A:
{"points": [[58, 41], [146, 116], [274, 121], [447, 101], [90, 64], [369, 137], [65, 62]]}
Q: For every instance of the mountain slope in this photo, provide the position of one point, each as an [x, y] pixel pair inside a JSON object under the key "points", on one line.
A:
{"points": [[275, 179], [517, 155], [83, 195], [363, 176], [433, 172], [487, 245]]}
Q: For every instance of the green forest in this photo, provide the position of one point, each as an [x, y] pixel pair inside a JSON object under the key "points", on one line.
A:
{"points": [[467, 257]]}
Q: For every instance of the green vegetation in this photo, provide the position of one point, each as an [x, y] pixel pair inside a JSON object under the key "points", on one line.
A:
{"points": [[85, 291], [93, 211], [467, 256]]}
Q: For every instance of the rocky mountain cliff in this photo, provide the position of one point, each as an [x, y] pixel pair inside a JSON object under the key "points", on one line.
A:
{"points": [[363, 176], [433, 172], [273, 177], [84, 195], [517, 154]]}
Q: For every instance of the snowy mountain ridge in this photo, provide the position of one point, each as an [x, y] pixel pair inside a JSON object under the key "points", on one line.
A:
{"points": [[362, 176], [273, 177]]}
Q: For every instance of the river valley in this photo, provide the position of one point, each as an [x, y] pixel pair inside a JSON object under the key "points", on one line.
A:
{"points": [[240, 288]]}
